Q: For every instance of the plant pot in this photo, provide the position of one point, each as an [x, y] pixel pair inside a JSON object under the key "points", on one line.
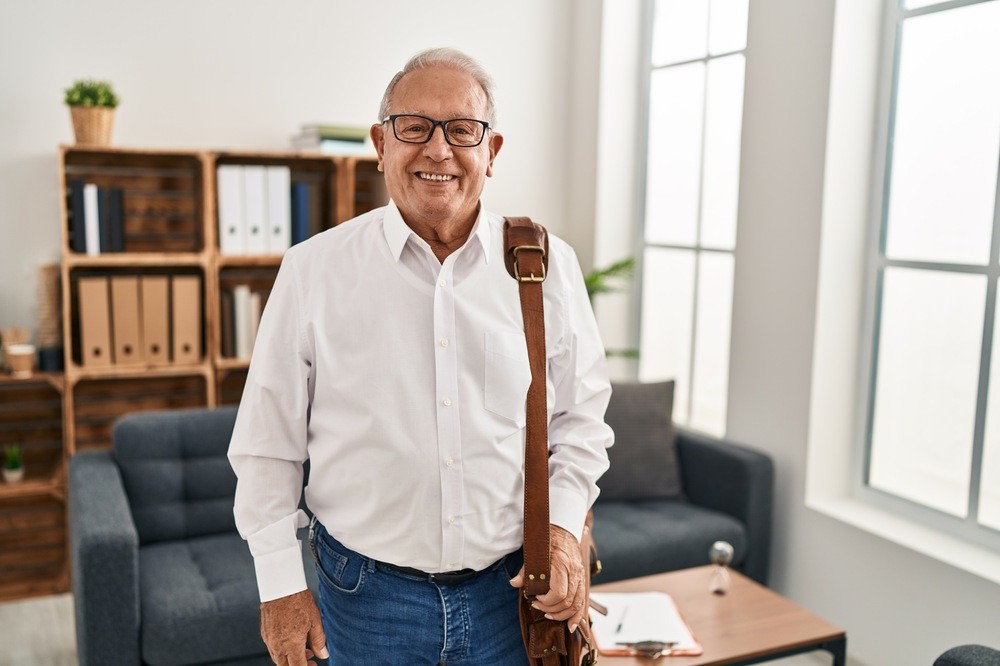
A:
{"points": [[92, 125], [13, 475]]}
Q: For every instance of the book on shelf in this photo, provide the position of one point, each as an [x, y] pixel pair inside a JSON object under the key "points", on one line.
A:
{"points": [[356, 133], [300, 213], [241, 308], [96, 219], [344, 147]]}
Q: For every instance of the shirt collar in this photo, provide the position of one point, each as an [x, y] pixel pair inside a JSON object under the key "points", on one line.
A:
{"points": [[397, 232]]}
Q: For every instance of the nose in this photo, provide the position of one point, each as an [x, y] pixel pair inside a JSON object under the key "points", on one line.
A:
{"points": [[437, 148]]}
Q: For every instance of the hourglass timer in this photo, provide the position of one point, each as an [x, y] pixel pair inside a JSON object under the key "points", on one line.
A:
{"points": [[721, 554]]}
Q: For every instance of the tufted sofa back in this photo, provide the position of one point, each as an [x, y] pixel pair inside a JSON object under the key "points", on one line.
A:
{"points": [[177, 477]]}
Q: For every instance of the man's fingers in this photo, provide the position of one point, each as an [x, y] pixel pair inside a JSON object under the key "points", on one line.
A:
{"points": [[317, 639], [579, 608], [558, 590], [518, 580], [573, 613]]}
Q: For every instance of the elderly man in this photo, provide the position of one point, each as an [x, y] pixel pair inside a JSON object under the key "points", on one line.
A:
{"points": [[392, 356]]}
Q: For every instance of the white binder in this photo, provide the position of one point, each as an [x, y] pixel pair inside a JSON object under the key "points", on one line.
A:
{"points": [[255, 208], [232, 228], [279, 209]]}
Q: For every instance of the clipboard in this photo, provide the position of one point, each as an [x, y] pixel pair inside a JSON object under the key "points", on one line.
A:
{"points": [[641, 616]]}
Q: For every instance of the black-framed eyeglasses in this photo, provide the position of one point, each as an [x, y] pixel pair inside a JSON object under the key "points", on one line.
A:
{"points": [[461, 132]]}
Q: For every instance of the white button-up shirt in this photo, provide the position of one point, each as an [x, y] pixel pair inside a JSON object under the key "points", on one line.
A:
{"points": [[403, 380]]}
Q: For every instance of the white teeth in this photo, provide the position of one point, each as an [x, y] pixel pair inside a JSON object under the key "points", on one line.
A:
{"points": [[439, 177]]}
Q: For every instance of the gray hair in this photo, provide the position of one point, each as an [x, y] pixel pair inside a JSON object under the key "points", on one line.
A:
{"points": [[445, 57]]}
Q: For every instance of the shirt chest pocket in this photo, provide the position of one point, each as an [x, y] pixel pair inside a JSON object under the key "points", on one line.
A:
{"points": [[508, 375]]}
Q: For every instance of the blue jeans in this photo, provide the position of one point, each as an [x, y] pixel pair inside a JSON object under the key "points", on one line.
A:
{"points": [[378, 616]]}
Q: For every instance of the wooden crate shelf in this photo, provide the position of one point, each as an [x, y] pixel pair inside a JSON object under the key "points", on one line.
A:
{"points": [[170, 227]]}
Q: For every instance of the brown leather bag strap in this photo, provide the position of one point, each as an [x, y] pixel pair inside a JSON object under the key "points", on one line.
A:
{"points": [[526, 255]]}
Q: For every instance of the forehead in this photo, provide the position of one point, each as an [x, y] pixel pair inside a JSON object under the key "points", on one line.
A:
{"points": [[439, 92]]}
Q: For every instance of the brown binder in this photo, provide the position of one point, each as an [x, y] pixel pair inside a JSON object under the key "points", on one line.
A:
{"points": [[95, 322], [155, 319], [127, 334], [186, 306]]}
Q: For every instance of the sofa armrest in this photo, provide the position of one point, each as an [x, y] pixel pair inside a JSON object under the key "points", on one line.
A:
{"points": [[735, 480], [104, 557]]}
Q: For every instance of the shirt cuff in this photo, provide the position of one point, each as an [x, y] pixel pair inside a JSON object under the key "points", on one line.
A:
{"points": [[568, 510], [280, 573]]}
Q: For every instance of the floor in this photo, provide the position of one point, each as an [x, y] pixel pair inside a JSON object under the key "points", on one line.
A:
{"points": [[40, 632]]}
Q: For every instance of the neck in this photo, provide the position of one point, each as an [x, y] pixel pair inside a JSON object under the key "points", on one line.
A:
{"points": [[443, 236]]}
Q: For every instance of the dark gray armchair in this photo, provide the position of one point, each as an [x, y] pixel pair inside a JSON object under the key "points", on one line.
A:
{"points": [[160, 574]]}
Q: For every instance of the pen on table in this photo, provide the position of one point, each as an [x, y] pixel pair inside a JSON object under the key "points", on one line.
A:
{"points": [[621, 621]]}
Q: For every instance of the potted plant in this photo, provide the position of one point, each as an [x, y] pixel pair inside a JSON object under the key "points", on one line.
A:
{"points": [[92, 106], [13, 468], [607, 280]]}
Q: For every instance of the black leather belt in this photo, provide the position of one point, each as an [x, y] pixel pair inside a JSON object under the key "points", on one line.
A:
{"points": [[445, 578]]}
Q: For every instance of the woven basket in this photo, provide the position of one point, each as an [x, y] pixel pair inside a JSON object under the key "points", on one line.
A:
{"points": [[92, 124]]}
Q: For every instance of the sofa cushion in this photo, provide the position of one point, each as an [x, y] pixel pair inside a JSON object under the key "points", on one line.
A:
{"points": [[645, 537], [199, 600], [644, 457], [177, 477]]}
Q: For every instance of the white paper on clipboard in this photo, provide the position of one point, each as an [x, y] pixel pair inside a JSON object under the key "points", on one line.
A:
{"points": [[640, 616]]}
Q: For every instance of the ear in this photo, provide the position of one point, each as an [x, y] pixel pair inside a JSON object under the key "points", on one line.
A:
{"points": [[496, 142], [378, 139]]}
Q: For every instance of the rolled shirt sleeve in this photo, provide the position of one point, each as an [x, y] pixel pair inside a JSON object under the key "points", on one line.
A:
{"points": [[268, 446], [578, 435]]}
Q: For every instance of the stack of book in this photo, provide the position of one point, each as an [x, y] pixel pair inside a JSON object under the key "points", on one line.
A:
{"points": [[334, 139], [96, 218], [241, 309]]}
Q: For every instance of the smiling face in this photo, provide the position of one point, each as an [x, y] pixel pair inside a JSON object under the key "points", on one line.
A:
{"points": [[435, 184]]}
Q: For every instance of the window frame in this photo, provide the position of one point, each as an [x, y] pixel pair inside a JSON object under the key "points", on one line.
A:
{"points": [[642, 173], [968, 528]]}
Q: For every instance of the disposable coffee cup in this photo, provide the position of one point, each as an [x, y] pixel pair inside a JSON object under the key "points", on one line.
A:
{"points": [[20, 359]]}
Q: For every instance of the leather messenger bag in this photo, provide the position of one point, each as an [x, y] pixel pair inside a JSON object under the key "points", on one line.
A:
{"points": [[548, 642]]}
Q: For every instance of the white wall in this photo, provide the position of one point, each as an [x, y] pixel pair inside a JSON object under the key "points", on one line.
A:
{"points": [[245, 74]]}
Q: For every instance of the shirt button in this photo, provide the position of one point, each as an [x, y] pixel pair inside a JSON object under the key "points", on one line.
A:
{"points": [[449, 463], [443, 283], [451, 520], [446, 402], [444, 342]]}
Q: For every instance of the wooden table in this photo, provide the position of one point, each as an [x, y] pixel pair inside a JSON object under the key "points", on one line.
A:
{"points": [[748, 625]]}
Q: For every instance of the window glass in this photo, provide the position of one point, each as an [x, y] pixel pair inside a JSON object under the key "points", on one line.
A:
{"points": [[946, 137], [929, 348]]}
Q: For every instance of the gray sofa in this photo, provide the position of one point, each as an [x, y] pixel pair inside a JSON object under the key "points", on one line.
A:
{"points": [[161, 577]]}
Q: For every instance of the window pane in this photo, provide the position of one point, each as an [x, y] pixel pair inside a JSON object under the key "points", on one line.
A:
{"points": [[667, 318], [946, 137], [928, 376], [989, 482], [680, 30], [674, 158], [723, 123], [727, 27], [711, 346]]}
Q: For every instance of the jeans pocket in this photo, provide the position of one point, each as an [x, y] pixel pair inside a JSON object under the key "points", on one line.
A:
{"points": [[339, 568], [507, 376], [513, 562]]}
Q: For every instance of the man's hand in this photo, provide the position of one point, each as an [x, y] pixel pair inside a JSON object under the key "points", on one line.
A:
{"points": [[286, 624], [565, 599]]}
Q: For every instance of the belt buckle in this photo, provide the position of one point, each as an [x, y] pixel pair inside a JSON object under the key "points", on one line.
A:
{"points": [[517, 271]]}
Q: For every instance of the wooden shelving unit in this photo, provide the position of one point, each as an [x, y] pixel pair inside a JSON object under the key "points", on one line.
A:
{"points": [[170, 228]]}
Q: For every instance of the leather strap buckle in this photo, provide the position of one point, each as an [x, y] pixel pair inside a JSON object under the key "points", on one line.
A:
{"points": [[517, 271]]}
